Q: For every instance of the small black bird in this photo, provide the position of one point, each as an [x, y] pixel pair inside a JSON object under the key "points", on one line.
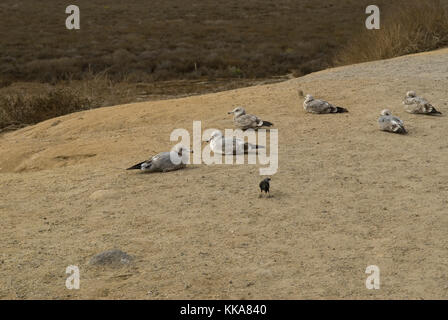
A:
{"points": [[264, 186]]}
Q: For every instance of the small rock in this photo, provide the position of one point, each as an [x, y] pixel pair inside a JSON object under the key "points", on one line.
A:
{"points": [[111, 258]]}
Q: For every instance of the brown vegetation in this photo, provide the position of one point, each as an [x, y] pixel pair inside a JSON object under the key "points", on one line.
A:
{"points": [[21, 109], [142, 42], [133, 52], [409, 27]]}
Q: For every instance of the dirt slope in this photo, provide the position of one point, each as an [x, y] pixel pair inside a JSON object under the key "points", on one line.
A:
{"points": [[345, 196]]}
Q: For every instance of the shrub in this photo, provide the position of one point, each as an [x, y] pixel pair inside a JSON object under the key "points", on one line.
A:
{"points": [[19, 109], [409, 27]]}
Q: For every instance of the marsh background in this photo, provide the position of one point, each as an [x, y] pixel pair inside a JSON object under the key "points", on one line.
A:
{"points": [[128, 51]]}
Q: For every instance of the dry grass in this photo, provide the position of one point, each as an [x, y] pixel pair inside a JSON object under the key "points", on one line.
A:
{"points": [[21, 109], [408, 27], [25, 103], [129, 52], [174, 39]]}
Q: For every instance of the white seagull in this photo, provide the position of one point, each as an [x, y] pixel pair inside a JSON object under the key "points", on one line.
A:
{"points": [[176, 159], [418, 105], [390, 123], [317, 106], [233, 145], [247, 121]]}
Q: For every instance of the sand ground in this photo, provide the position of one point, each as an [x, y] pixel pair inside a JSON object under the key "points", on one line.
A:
{"points": [[345, 196]]}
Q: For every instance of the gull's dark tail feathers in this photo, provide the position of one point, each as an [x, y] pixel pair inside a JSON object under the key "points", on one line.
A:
{"points": [[435, 112], [340, 110], [138, 166], [400, 130], [267, 124], [249, 146]]}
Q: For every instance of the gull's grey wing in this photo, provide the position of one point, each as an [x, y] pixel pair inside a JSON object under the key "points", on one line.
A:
{"points": [[244, 147], [163, 162], [146, 165], [153, 163], [397, 120], [234, 146], [318, 106], [391, 124], [414, 101], [321, 106], [246, 121], [419, 105]]}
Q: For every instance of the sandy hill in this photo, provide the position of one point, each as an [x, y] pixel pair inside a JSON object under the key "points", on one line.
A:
{"points": [[345, 196]]}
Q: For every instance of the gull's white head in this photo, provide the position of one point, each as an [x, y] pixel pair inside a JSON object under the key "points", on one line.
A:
{"points": [[215, 135], [238, 111], [411, 94], [181, 149], [386, 112], [308, 98]]}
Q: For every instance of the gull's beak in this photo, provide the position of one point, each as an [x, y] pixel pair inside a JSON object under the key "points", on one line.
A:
{"points": [[230, 112]]}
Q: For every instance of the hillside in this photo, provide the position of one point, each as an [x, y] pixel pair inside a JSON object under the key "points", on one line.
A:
{"points": [[345, 196]]}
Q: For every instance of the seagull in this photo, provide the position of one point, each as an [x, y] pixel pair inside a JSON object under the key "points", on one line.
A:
{"points": [[247, 121], [312, 105], [390, 123], [264, 186], [418, 105], [176, 159], [233, 145]]}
